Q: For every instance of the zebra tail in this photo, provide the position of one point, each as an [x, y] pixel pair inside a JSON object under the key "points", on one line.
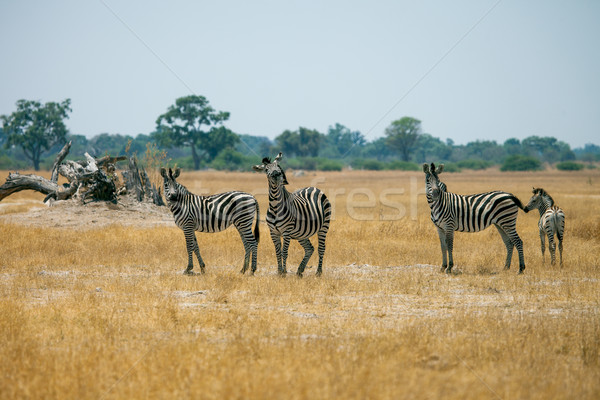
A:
{"points": [[256, 228], [518, 203]]}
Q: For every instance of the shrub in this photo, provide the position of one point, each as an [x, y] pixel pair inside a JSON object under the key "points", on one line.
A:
{"points": [[451, 167], [476, 164], [368, 164], [313, 164], [325, 164], [518, 162], [231, 160], [569, 166], [12, 164], [403, 166]]}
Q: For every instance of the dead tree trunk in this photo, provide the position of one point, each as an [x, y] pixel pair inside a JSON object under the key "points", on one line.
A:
{"points": [[90, 179], [137, 183]]}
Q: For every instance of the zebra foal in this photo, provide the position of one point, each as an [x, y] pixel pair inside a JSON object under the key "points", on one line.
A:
{"points": [[298, 215], [212, 214], [471, 213], [551, 223]]}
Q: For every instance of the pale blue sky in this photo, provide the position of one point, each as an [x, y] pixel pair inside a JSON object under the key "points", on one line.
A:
{"points": [[524, 68]]}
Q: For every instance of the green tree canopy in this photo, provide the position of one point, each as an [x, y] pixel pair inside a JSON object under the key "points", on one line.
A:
{"points": [[35, 127], [402, 135], [192, 122], [302, 143]]}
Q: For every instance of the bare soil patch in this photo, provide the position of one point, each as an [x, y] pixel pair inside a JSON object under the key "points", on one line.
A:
{"points": [[73, 214]]}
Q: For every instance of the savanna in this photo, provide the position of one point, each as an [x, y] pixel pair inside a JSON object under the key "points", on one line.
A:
{"points": [[93, 302]]}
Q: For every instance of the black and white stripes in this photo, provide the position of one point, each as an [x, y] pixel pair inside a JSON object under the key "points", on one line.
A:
{"points": [[551, 223], [298, 215], [471, 213], [212, 214]]}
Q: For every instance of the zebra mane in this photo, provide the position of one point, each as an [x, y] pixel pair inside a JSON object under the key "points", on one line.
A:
{"points": [[543, 193]]}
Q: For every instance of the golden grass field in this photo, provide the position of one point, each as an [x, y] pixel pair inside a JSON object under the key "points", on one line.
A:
{"points": [[102, 311]]}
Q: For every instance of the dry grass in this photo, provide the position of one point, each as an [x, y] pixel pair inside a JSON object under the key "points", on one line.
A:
{"points": [[106, 313]]}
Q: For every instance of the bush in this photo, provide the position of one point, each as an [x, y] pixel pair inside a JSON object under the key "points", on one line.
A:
{"points": [[476, 164], [451, 167], [325, 164], [313, 164], [518, 162], [403, 166], [368, 164], [12, 164], [231, 160], [569, 166]]}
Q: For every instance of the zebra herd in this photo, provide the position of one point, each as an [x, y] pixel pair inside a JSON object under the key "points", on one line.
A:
{"points": [[301, 214]]}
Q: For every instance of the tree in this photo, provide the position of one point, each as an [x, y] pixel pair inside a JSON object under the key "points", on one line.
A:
{"points": [[35, 127], [302, 143], [402, 135], [183, 125], [342, 142]]}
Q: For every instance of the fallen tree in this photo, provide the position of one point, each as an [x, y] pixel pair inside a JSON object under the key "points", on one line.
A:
{"points": [[92, 179]]}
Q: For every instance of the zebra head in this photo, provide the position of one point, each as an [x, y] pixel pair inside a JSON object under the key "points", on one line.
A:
{"points": [[433, 186], [172, 188], [540, 198], [274, 172]]}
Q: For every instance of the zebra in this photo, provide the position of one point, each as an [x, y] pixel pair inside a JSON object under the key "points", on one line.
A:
{"points": [[298, 215], [212, 214], [552, 222], [471, 213]]}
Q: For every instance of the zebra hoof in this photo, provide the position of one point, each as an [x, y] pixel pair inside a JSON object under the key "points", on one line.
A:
{"points": [[189, 272]]}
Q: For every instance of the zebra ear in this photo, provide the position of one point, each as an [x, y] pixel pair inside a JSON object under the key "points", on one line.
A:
{"points": [[163, 172], [439, 169], [279, 157], [426, 168], [285, 181], [259, 167], [176, 173]]}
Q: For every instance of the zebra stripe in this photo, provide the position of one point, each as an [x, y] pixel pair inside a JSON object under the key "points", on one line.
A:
{"points": [[471, 213], [212, 214], [551, 223], [298, 215]]}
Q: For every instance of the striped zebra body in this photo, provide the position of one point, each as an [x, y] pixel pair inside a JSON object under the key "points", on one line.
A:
{"points": [[551, 223], [471, 213], [298, 215], [210, 214]]}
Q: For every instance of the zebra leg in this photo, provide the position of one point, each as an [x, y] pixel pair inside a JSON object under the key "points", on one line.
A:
{"points": [[442, 236], [450, 246], [509, 246], [284, 254], [543, 244], [192, 247], [198, 256], [277, 242], [560, 247], [247, 239], [516, 241], [308, 251], [552, 247], [322, 235]]}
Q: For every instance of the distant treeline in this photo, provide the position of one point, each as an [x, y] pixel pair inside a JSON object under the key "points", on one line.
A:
{"points": [[193, 135], [337, 149]]}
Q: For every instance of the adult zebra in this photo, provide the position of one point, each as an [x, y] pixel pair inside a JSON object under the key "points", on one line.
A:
{"points": [[212, 214], [471, 213], [298, 215], [552, 222]]}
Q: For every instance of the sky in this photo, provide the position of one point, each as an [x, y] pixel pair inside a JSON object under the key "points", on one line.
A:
{"points": [[469, 70]]}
